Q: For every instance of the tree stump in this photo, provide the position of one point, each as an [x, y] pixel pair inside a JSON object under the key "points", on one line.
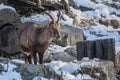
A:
{"points": [[102, 49]]}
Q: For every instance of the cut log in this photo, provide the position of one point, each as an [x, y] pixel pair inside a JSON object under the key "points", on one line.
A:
{"points": [[102, 49]]}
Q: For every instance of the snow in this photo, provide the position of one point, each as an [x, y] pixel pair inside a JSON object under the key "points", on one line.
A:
{"points": [[35, 18], [18, 61], [67, 70], [102, 32], [99, 10], [11, 74], [108, 1], [89, 63], [2, 6], [56, 48], [85, 3], [41, 78], [55, 66]]}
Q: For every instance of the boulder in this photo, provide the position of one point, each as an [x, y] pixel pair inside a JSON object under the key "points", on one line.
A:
{"points": [[98, 69], [9, 21], [8, 15], [70, 35], [13, 43], [29, 71]]}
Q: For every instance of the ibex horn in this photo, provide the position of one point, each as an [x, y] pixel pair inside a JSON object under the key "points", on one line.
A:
{"points": [[50, 16], [59, 17]]}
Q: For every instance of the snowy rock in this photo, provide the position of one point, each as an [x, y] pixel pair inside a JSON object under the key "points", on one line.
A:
{"points": [[86, 22], [110, 22], [59, 70], [98, 69]]}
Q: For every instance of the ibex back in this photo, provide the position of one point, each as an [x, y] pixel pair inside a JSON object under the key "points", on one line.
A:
{"points": [[35, 38]]}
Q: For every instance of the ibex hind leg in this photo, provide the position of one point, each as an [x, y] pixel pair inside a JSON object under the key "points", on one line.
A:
{"points": [[29, 57], [40, 58]]}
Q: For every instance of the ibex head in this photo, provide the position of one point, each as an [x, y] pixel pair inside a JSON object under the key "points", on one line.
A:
{"points": [[54, 26]]}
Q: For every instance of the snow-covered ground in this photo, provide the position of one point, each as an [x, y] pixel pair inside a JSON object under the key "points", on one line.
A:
{"points": [[11, 74], [99, 10]]}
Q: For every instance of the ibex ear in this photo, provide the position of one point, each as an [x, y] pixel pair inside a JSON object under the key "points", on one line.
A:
{"points": [[59, 17]]}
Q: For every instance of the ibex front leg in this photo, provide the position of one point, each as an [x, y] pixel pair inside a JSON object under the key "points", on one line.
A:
{"points": [[40, 57]]}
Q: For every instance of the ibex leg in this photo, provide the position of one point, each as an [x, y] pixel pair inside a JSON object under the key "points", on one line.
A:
{"points": [[34, 57], [29, 59], [25, 58], [40, 58]]}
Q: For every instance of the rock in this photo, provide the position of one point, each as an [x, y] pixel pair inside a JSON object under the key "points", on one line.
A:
{"points": [[72, 52], [64, 40], [83, 22], [70, 35], [59, 57], [98, 69], [9, 16], [1, 68], [108, 22], [13, 43], [117, 64], [3, 1], [29, 71], [9, 21]]}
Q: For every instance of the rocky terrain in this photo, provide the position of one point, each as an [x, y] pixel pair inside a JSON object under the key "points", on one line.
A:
{"points": [[87, 20]]}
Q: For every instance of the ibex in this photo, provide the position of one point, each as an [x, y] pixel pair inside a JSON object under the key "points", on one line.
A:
{"points": [[35, 38]]}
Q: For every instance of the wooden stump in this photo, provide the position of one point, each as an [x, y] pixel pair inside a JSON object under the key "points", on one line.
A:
{"points": [[102, 49]]}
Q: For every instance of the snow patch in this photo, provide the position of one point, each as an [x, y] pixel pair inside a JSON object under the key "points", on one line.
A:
{"points": [[11, 74], [2, 6]]}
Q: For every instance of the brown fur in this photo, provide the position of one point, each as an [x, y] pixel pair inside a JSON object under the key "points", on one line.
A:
{"points": [[35, 38]]}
